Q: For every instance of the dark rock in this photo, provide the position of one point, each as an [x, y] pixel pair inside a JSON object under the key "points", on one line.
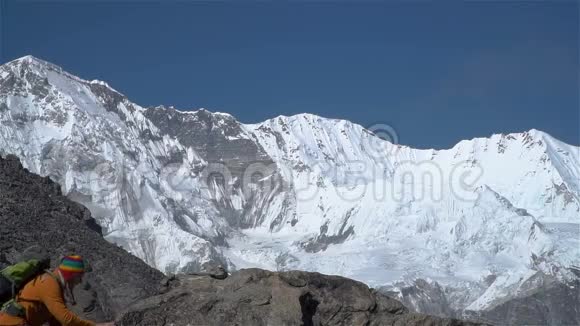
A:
{"points": [[222, 142], [214, 271], [323, 240], [553, 303], [258, 297], [541, 300], [424, 297], [34, 252], [34, 212]]}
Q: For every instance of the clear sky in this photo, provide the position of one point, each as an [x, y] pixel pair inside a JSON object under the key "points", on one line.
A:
{"points": [[437, 73]]}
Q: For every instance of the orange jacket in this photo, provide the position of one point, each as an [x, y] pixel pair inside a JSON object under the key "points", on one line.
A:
{"points": [[43, 300]]}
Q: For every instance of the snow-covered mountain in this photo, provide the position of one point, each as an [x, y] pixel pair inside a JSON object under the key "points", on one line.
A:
{"points": [[480, 221]]}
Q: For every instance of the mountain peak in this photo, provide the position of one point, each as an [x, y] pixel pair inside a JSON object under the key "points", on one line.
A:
{"points": [[534, 133], [28, 59], [40, 69], [33, 64]]}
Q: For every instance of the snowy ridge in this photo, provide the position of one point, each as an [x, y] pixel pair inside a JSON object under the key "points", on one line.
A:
{"points": [[521, 198], [63, 127], [173, 188]]}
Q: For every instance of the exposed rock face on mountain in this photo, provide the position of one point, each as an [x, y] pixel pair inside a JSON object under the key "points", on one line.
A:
{"points": [[554, 302], [34, 212], [258, 297], [422, 296], [180, 189]]}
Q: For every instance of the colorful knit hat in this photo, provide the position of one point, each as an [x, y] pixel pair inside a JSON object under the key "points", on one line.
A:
{"points": [[70, 266]]}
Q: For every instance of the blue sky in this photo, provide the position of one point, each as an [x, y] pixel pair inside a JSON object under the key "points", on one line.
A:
{"points": [[437, 73]]}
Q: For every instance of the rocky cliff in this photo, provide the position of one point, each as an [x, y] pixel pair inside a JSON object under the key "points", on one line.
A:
{"points": [[259, 297]]}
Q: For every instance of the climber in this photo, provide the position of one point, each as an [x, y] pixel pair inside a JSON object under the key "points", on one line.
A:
{"points": [[42, 299]]}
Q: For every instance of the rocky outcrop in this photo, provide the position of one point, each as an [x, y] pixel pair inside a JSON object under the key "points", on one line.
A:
{"points": [[259, 297], [542, 300], [421, 296], [34, 212], [557, 303]]}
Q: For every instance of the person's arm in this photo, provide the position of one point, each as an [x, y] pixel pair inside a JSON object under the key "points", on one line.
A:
{"points": [[52, 297]]}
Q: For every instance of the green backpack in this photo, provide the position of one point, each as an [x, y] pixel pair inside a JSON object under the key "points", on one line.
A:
{"points": [[14, 277]]}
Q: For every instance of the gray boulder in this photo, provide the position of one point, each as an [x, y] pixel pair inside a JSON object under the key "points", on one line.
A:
{"points": [[258, 297]]}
